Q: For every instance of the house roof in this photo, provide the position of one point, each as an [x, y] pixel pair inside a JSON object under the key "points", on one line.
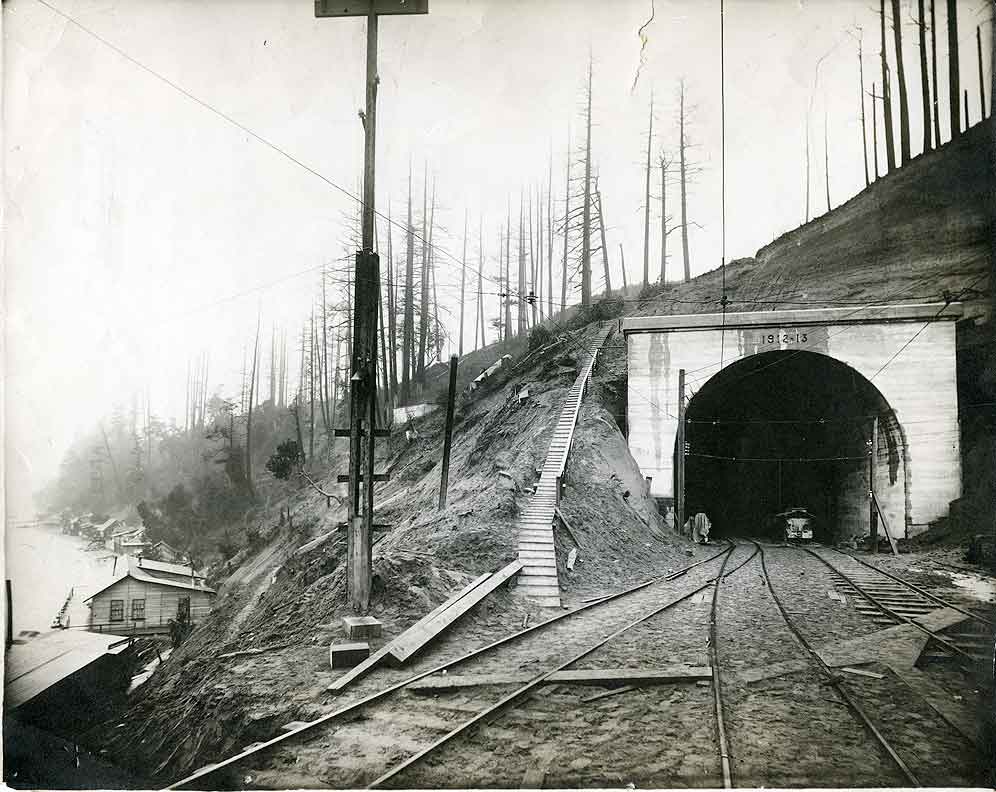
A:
{"points": [[143, 576], [108, 523], [35, 666], [148, 565]]}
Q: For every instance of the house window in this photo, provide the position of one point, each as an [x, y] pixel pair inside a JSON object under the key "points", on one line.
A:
{"points": [[117, 610], [183, 608], [137, 609]]}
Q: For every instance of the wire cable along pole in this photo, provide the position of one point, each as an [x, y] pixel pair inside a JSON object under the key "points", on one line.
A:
{"points": [[363, 366]]}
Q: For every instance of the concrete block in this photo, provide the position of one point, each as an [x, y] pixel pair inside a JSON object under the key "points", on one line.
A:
{"points": [[349, 654], [359, 627]]}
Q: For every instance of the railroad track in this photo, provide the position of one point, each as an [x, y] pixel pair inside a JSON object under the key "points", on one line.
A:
{"points": [[547, 648], [880, 704], [888, 599]]}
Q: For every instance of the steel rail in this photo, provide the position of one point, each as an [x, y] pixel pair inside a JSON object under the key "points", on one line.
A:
{"points": [[835, 681], [917, 588], [717, 688], [893, 614], [210, 769], [523, 691]]}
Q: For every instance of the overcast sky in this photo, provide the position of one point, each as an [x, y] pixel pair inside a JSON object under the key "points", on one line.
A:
{"points": [[143, 228]]}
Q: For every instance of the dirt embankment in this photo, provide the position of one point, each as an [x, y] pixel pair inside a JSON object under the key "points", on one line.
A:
{"points": [[288, 597]]}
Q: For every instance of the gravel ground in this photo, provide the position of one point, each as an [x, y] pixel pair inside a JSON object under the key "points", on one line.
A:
{"points": [[787, 731]]}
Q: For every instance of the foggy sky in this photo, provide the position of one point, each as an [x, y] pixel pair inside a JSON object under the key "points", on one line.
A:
{"points": [[143, 229]]}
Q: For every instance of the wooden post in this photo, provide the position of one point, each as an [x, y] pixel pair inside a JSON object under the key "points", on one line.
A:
{"points": [[448, 438], [679, 457], [872, 510]]}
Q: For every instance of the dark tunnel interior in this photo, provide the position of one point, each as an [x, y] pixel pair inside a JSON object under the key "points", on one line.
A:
{"points": [[775, 431]]}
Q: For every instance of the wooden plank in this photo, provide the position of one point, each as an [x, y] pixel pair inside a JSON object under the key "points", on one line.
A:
{"points": [[567, 525], [360, 670], [409, 643], [607, 693], [862, 672], [605, 677], [885, 524]]}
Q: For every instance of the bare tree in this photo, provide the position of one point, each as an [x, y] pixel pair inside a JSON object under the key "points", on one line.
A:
{"points": [[463, 281], [522, 326], [924, 79], [605, 249], [408, 325], [508, 271], [826, 158], [904, 108], [622, 261], [479, 315], [890, 149], [665, 163], [549, 237], [954, 79], [933, 75], [586, 222], [252, 394], [875, 98], [683, 159], [646, 197], [861, 96], [567, 214], [423, 324], [982, 80]]}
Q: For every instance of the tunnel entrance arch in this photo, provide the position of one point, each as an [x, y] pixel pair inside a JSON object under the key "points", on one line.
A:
{"points": [[790, 429], [893, 362]]}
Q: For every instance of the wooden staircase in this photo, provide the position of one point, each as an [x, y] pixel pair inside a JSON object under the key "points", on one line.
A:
{"points": [[538, 579]]}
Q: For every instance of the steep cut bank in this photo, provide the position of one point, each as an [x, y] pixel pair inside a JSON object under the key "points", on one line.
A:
{"points": [[287, 599], [922, 230]]}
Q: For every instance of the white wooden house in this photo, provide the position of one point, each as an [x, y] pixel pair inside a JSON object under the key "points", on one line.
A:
{"points": [[147, 596]]}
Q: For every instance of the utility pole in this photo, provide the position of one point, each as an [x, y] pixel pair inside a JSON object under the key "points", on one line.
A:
{"points": [[363, 379], [679, 457], [448, 437], [872, 510]]}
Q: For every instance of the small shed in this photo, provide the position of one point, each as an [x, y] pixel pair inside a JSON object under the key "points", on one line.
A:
{"points": [[164, 551], [148, 596]]}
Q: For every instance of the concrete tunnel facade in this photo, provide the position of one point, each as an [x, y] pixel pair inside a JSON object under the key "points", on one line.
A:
{"points": [[780, 407]]}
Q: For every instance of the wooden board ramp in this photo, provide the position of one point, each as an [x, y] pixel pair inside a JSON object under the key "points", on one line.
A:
{"points": [[602, 677], [537, 551], [416, 637]]}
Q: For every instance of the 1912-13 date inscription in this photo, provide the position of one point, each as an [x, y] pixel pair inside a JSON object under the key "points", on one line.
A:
{"points": [[785, 338]]}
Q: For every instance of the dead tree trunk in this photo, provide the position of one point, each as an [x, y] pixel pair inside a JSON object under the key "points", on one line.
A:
{"points": [[646, 198], [567, 218], [904, 108], [664, 232], [408, 324], [605, 248], [954, 78], [861, 95], [532, 267], [392, 313], [479, 316], [982, 79], [890, 149], [924, 80], [874, 99], [423, 319], [522, 326], [252, 394], [463, 281], [933, 76], [622, 261], [826, 159], [311, 389], [682, 145], [508, 272], [586, 214], [549, 238]]}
